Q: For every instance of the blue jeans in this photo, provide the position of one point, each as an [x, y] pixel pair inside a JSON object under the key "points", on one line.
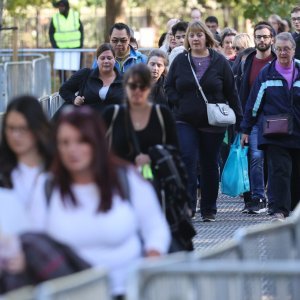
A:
{"points": [[256, 165], [205, 147]]}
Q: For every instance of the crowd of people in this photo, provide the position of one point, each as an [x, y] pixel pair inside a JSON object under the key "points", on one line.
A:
{"points": [[79, 179]]}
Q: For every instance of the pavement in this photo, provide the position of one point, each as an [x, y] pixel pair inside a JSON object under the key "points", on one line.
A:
{"points": [[229, 218]]}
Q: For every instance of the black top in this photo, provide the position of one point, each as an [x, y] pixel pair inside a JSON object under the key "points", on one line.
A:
{"points": [[296, 37], [87, 83], [158, 95], [217, 83], [151, 135]]}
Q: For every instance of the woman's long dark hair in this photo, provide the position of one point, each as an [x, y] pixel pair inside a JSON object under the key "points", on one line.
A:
{"points": [[31, 110], [104, 165]]}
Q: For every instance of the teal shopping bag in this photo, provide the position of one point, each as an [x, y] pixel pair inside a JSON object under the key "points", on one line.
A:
{"points": [[235, 178]]}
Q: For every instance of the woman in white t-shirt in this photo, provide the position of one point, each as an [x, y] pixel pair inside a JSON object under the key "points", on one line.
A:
{"points": [[89, 208], [25, 154]]}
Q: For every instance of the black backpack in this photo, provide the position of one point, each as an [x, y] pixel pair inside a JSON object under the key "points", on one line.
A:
{"points": [[170, 182]]}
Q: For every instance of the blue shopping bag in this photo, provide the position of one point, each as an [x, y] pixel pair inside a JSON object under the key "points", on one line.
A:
{"points": [[235, 178]]}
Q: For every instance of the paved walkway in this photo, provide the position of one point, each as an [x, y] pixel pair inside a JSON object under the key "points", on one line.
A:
{"points": [[229, 219]]}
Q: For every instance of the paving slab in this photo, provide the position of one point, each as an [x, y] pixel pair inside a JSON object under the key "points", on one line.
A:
{"points": [[229, 218]]}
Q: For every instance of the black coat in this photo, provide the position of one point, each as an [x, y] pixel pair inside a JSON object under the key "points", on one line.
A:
{"points": [[217, 83], [158, 95], [88, 84]]}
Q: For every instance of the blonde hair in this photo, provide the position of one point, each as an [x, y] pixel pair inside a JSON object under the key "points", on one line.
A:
{"points": [[197, 26], [243, 40]]}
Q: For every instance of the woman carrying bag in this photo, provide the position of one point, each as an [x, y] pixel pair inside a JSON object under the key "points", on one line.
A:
{"points": [[97, 87], [199, 138]]}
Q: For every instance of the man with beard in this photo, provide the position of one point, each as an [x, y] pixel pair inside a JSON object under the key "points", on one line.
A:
{"points": [[295, 17], [247, 71]]}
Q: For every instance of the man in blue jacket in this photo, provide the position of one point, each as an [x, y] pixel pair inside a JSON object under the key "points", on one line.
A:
{"points": [[126, 56], [274, 104], [246, 72]]}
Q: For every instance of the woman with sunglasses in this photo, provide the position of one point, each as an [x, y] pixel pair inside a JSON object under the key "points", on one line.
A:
{"points": [[25, 155], [97, 87], [139, 121], [109, 225], [241, 42]]}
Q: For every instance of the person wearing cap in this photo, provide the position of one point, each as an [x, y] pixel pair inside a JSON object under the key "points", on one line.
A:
{"points": [[66, 29]]}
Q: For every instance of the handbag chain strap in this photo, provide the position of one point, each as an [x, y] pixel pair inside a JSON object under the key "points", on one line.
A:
{"points": [[197, 82]]}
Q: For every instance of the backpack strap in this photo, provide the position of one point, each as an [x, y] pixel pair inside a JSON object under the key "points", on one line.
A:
{"points": [[109, 132], [122, 176], [49, 187], [162, 123]]}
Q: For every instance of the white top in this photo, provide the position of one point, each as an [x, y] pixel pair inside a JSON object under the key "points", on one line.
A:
{"points": [[107, 239], [174, 53], [103, 92], [15, 203]]}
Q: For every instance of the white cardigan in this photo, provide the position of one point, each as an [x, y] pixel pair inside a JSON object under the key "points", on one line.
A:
{"points": [[108, 239]]}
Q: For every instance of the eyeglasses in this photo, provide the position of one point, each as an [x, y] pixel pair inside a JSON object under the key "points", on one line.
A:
{"points": [[264, 37], [285, 49], [133, 86], [22, 130], [121, 40], [294, 19], [236, 48]]}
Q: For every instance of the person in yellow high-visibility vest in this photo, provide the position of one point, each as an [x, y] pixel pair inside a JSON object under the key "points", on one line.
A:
{"points": [[65, 32]]}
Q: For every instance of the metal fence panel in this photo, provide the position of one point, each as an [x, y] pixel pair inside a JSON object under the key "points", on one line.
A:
{"points": [[56, 101], [215, 280], [86, 285], [3, 89], [45, 103], [19, 78], [25, 293], [267, 241], [42, 76]]}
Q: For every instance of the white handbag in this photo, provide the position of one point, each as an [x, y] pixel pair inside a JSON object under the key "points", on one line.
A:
{"points": [[218, 114]]}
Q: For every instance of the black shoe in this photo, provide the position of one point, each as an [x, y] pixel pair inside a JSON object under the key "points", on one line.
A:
{"points": [[257, 206], [209, 218], [193, 216], [245, 210]]}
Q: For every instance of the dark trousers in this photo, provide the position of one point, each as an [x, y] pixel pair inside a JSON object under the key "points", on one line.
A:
{"points": [[283, 169], [205, 147]]}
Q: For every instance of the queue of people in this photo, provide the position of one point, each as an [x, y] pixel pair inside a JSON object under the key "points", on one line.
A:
{"points": [[127, 103]]}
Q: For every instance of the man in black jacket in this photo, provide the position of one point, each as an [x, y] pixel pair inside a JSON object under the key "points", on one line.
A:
{"points": [[246, 71], [295, 17]]}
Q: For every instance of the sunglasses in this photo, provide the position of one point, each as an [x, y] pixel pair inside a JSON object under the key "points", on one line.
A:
{"points": [[236, 48], [133, 86]]}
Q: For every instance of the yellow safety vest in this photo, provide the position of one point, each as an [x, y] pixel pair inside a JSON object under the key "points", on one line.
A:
{"points": [[67, 34]]}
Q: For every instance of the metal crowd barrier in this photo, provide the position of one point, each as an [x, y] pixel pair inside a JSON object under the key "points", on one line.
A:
{"points": [[51, 104], [25, 293], [24, 77], [215, 280], [86, 285]]}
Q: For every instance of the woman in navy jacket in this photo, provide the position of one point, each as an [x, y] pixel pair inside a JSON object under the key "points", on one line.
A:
{"points": [[276, 91], [197, 139]]}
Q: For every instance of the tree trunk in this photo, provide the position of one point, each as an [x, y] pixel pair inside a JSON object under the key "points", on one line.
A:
{"points": [[115, 12]]}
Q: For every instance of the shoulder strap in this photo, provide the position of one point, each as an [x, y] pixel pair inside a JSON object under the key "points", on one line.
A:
{"points": [[162, 123], [197, 81], [49, 187], [122, 176], [109, 132]]}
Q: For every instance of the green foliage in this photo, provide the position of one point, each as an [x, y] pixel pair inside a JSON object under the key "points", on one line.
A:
{"points": [[261, 9]]}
